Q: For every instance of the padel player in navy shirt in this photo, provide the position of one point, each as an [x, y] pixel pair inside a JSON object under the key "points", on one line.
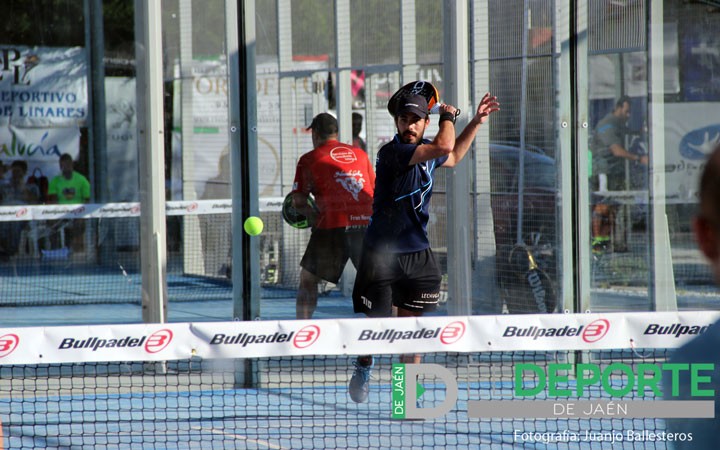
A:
{"points": [[397, 267], [400, 208]]}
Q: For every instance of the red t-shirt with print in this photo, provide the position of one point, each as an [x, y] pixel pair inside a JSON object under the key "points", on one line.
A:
{"points": [[342, 180]]}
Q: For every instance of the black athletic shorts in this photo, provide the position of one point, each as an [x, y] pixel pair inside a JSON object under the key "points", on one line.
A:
{"points": [[329, 249], [407, 280]]}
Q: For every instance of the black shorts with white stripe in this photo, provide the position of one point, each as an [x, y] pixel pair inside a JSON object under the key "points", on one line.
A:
{"points": [[407, 280]]}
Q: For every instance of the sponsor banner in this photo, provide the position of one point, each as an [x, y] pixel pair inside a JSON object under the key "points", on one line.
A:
{"points": [[407, 335], [691, 132], [549, 332], [553, 332], [115, 210], [592, 331], [54, 212], [205, 146], [60, 211], [14, 213], [276, 160], [39, 147], [273, 204], [43, 86], [156, 342], [130, 209], [261, 339], [669, 330], [197, 207], [121, 146], [700, 65], [22, 345]]}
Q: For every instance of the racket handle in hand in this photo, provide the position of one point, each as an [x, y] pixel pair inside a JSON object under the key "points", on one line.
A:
{"points": [[436, 110]]}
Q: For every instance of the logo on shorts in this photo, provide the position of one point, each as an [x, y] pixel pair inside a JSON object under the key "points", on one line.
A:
{"points": [[366, 301]]}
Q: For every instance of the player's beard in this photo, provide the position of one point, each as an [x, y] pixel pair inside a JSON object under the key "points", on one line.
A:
{"points": [[410, 137]]}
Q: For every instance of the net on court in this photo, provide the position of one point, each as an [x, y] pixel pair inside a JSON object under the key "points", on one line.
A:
{"points": [[90, 254], [298, 403], [284, 385]]}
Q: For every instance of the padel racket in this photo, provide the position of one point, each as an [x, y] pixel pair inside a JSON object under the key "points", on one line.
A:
{"points": [[420, 87], [291, 215], [536, 284]]}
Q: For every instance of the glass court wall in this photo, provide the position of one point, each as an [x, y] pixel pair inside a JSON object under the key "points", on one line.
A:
{"points": [[537, 213]]}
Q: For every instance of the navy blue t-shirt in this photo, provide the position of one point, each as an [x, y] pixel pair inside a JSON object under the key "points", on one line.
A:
{"points": [[401, 200]]}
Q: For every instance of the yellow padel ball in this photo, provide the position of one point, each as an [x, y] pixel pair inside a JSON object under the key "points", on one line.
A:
{"points": [[253, 225]]}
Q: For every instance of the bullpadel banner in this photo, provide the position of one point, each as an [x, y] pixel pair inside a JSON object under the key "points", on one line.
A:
{"points": [[129, 209], [209, 340]]}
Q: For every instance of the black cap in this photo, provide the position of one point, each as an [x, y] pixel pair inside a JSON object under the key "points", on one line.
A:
{"points": [[415, 104], [324, 124]]}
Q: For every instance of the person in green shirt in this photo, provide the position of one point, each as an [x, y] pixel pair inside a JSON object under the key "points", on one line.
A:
{"points": [[69, 187]]}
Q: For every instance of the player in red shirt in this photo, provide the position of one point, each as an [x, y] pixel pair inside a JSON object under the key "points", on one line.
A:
{"points": [[342, 180]]}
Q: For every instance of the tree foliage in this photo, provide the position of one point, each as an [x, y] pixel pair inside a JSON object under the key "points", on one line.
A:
{"points": [[374, 26], [43, 23]]}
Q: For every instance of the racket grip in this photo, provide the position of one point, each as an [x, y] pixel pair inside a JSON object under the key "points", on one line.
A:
{"points": [[436, 110]]}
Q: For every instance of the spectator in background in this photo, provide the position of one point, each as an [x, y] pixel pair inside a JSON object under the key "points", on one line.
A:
{"points": [[703, 348], [16, 192], [357, 120], [608, 169], [70, 187], [357, 88]]}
